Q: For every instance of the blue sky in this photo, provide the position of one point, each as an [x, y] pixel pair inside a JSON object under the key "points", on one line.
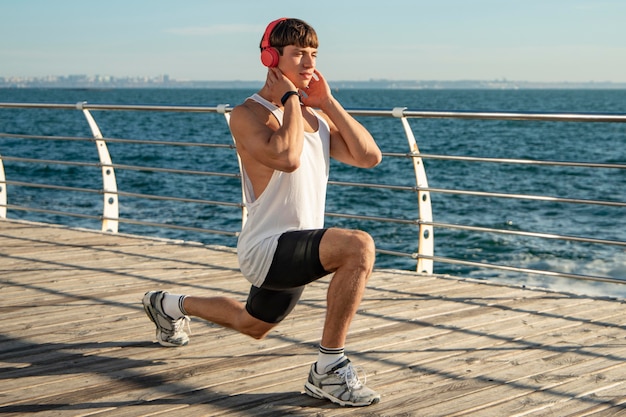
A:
{"points": [[524, 40]]}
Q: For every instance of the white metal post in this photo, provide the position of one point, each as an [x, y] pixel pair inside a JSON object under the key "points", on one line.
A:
{"points": [[3, 192], [110, 211], [426, 242]]}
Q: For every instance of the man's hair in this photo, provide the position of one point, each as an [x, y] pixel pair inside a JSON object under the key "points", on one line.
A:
{"points": [[293, 32]]}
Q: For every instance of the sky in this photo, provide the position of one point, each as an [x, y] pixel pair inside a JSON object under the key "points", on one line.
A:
{"points": [[519, 40]]}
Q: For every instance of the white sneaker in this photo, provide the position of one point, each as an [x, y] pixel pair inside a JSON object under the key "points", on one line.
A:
{"points": [[340, 385], [169, 332]]}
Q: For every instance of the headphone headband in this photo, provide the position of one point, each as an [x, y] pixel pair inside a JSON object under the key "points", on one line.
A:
{"points": [[269, 55], [265, 43]]}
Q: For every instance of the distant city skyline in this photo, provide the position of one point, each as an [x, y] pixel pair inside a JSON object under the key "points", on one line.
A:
{"points": [[534, 40], [165, 81]]}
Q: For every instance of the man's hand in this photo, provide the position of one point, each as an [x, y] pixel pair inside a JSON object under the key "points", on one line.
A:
{"points": [[317, 94], [277, 84]]}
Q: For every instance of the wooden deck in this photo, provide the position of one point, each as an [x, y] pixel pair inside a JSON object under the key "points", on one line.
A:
{"points": [[75, 341]]}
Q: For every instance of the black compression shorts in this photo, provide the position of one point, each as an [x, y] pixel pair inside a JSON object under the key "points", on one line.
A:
{"points": [[296, 263]]}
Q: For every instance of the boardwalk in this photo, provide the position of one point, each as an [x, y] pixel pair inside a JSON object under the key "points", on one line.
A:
{"points": [[75, 341]]}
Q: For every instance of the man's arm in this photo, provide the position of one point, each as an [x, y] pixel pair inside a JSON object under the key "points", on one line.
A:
{"points": [[350, 142], [263, 139]]}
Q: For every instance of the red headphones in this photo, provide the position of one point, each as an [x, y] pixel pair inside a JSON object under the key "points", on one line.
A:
{"points": [[269, 55]]}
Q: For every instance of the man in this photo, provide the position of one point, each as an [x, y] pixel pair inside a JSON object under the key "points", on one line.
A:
{"points": [[284, 146]]}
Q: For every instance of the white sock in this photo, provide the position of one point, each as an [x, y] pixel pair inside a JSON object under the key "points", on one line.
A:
{"points": [[327, 357], [173, 305]]}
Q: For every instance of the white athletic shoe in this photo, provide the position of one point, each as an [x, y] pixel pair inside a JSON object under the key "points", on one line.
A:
{"points": [[169, 332], [340, 385]]}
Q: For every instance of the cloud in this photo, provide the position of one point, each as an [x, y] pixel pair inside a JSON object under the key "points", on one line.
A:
{"points": [[229, 29]]}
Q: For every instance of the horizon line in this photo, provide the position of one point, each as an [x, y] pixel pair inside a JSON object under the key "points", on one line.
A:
{"points": [[168, 79]]}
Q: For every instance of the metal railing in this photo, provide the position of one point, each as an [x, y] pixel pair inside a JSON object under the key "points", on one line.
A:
{"points": [[422, 220]]}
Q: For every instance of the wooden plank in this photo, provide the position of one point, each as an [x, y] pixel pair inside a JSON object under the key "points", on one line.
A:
{"points": [[76, 342]]}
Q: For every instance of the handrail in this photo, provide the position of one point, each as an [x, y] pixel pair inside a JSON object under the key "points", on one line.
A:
{"points": [[423, 221], [121, 166], [486, 115], [119, 140], [512, 161], [424, 114], [528, 197]]}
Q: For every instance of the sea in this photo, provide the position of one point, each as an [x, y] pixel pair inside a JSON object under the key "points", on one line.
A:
{"points": [[603, 143]]}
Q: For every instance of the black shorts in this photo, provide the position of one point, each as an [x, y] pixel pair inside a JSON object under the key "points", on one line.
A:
{"points": [[296, 263]]}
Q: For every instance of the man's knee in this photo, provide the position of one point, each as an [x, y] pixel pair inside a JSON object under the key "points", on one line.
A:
{"points": [[253, 327], [256, 333], [364, 244], [343, 246]]}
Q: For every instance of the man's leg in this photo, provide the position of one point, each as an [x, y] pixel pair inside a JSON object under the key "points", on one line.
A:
{"points": [[169, 312], [296, 262], [350, 254], [229, 313]]}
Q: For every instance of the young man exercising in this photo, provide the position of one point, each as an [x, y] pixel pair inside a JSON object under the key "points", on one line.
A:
{"points": [[284, 146]]}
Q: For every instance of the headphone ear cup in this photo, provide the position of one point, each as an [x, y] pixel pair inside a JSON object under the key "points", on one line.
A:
{"points": [[269, 57]]}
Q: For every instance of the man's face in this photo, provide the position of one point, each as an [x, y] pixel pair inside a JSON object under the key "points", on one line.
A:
{"points": [[298, 64]]}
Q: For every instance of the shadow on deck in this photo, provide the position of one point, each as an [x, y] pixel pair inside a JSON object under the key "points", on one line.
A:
{"points": [[75, 340]]}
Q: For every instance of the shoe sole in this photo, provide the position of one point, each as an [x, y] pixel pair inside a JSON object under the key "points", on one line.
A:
{"points": [[147, 307], [320, 394]]}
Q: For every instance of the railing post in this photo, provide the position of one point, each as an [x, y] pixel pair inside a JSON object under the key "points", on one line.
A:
{"points": [[426, 242], [221, 108], [110, 211], [3, 191]]}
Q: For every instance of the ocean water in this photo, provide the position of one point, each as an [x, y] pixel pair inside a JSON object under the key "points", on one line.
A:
{"points": [[578, 142]]}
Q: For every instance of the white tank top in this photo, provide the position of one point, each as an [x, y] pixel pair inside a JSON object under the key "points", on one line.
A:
{"points": [[291, 201]]}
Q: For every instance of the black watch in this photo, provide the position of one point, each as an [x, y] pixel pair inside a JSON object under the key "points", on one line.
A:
{"points": [[286, 96]]}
